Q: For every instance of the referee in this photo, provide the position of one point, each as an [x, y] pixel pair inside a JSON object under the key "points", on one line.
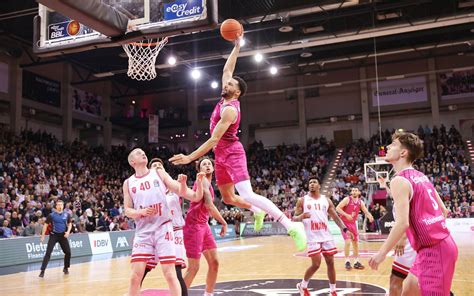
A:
{"points": [[59, 233]]}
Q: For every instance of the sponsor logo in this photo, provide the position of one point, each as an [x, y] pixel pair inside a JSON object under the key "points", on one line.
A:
{"points": [[134, 189], [183, 8], [287, 287], [121, 242], [73, 28], [100, 243], [156, 183], [37, 250], [309, 207], [389, 224]]}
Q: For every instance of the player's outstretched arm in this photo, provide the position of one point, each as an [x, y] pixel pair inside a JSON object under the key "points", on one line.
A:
{"points": [[441, 205], [229, 66], [401, 196], [228, 116], [333, 214], [176, 186], [299, 215], [342, 204]]}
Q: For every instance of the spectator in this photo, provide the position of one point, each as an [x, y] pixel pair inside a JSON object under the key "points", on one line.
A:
{"points": [[7, 231]]}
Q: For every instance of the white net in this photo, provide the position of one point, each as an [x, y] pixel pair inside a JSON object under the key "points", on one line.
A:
{"points": [[142, 58]]}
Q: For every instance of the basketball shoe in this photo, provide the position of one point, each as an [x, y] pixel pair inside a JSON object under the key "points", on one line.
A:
{"points": [[297, 233]]}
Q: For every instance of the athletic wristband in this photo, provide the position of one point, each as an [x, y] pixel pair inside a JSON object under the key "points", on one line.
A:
{"points": [[345, 229]]}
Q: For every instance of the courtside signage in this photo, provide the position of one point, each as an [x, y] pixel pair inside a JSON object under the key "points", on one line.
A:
{"points": [[100, 243]]}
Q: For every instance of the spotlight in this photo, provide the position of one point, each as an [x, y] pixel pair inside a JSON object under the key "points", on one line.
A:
{"points": [[172, 60], [273, 70], [196, 74], [214, 84], [258, 57]]}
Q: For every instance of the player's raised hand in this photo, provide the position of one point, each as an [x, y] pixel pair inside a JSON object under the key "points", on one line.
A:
{"points": [[178, 159], [238, 41], [200, 176], [182, 179]]}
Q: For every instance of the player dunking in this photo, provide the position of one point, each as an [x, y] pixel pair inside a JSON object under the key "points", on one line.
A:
{"points": [[349, 209], [313, 209], [198, 238], [145, 202], [419, 214], [230, 158]]}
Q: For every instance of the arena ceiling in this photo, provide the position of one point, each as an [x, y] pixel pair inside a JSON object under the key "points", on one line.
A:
{"points": [[298, 36]]}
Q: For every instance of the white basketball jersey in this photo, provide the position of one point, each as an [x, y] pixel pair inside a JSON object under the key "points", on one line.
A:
{"points": [[175, 208], [316, 227], [149, 191]]}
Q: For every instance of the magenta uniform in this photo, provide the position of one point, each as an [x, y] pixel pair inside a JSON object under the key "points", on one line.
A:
{"points": [[230, 162], [153, 234], [353, 209], [436, 250], [197, 233]]}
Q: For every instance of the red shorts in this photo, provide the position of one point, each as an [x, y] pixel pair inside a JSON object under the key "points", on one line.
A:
{"points": [[231, 164], [197, 239], [434, 267], [351, 227]]}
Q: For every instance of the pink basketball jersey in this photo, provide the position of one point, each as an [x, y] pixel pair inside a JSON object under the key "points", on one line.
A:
{"points": [[148, 191], [427, 223], [316, 226], [197, 213], [353, 209], [230, 134]]}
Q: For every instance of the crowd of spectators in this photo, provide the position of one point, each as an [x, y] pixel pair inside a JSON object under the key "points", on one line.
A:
{"points": [[281, 173], [36, 170], [444, 162]]}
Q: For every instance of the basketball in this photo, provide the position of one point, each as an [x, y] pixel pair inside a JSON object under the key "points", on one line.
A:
{"points": [[231, 29]]}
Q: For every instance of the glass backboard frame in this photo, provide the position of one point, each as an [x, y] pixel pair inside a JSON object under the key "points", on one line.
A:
{"points": [[143, 27]]}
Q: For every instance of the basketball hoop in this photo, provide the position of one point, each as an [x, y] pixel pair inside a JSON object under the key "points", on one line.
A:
{"points": [[142, 58]]}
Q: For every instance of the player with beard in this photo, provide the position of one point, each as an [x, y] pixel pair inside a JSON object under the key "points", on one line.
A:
{"points": [[230, 158]]}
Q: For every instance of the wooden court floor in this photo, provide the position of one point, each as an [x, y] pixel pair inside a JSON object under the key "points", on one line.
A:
{"points": [[262, 258]]}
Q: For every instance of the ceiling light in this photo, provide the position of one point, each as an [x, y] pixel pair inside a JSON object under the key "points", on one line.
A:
{"points": [[306, 54], [273, 70], [214, 84], [104, 74], [195, 74], [285, 29], [242, 42], [172, 60], [258, 57], [133, 102], [315, 29]]}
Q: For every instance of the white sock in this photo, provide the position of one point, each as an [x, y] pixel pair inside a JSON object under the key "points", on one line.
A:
{"points": [[208, 294], [332, 287], [254, 209], [304, 284], [244, 189], [356, 260], [348, 260]]}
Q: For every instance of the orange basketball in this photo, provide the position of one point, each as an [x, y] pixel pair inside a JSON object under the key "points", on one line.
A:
{"points": [[231, 29], [73, 28]]}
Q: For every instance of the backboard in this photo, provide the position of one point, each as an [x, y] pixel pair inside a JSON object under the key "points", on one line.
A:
{"points": [[56, 33], [376, 170]]}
